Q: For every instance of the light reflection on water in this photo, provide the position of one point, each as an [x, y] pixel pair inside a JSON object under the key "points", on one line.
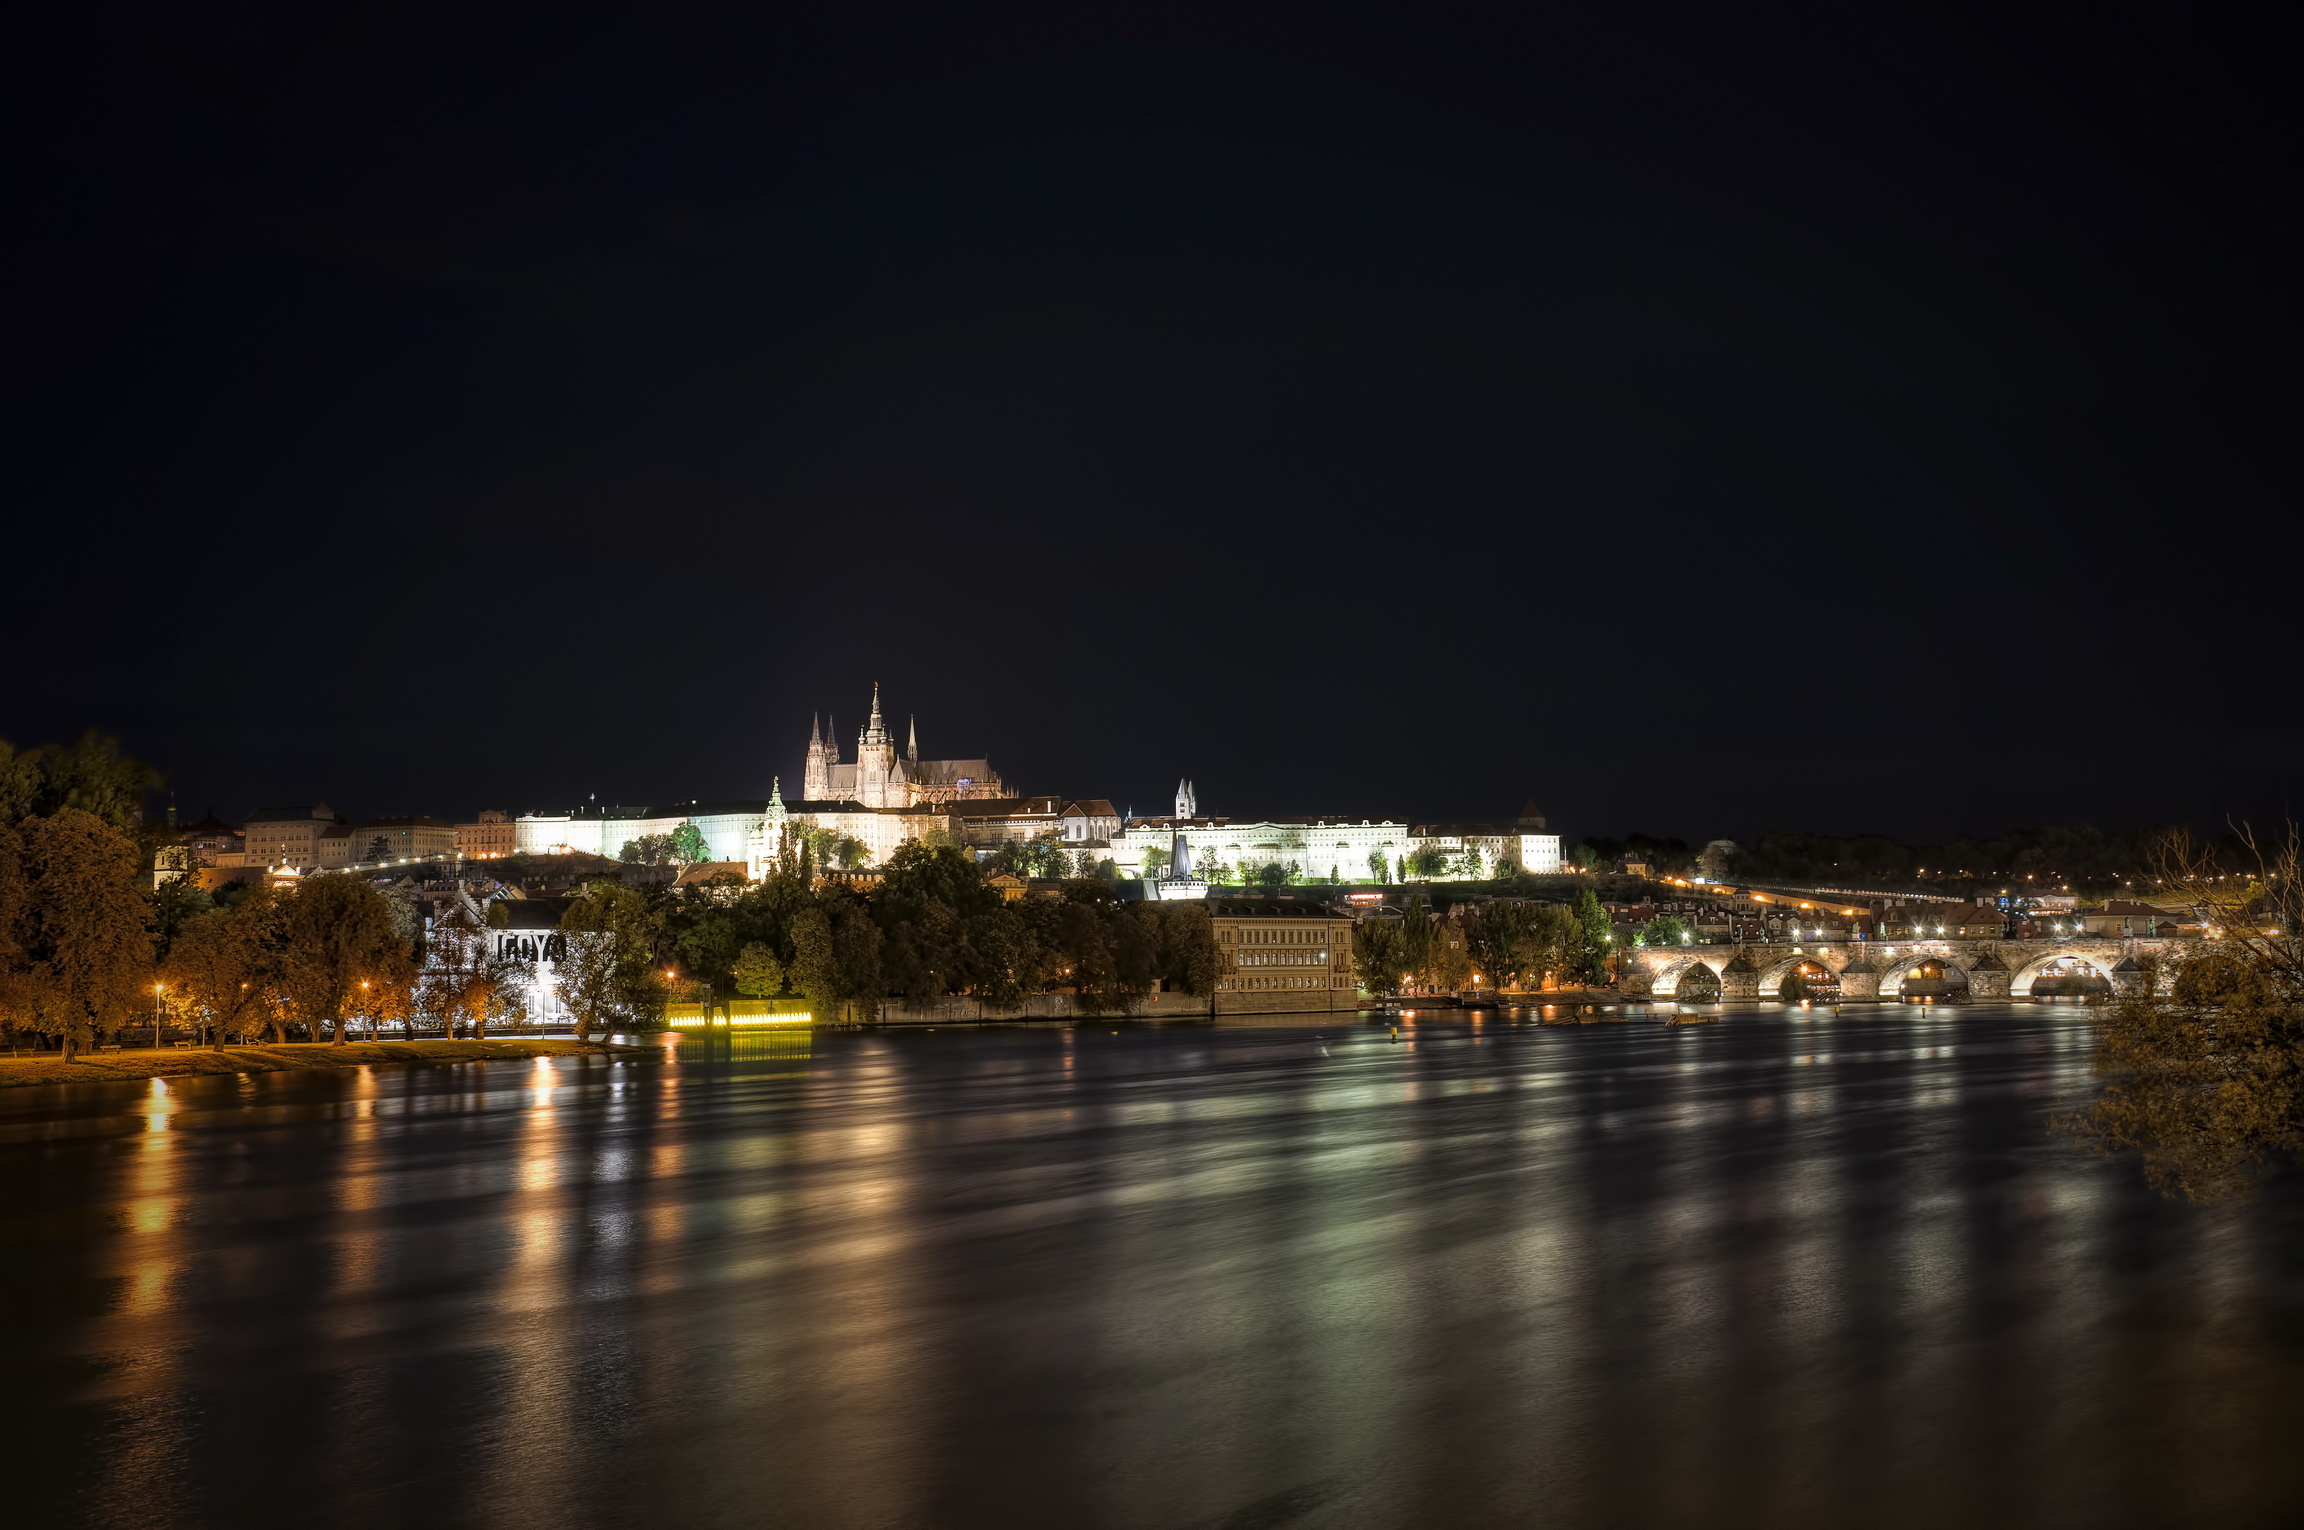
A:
{"points": [[1794, 1269]]}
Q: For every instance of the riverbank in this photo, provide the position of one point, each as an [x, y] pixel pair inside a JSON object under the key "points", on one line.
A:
{"points": [[187, 1062]]}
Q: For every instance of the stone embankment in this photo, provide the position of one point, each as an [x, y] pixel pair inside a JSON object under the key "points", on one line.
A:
{"points": [[190, 1062]]}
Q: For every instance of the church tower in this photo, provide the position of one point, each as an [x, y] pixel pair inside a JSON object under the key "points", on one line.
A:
{"points": [[816, 780], [1187, 803], [875, 757]]}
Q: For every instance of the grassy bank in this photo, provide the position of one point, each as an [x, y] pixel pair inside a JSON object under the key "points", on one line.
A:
{"points": [[187, 1062]]}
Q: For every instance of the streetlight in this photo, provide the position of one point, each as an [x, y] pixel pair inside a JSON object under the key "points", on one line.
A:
{"points": [[157, 990]]}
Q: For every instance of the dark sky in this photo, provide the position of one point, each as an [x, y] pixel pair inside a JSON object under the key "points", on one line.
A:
{"points": [[1702, 420]]}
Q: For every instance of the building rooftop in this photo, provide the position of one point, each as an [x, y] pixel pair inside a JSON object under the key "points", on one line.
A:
{"points": [[1271, 908]]}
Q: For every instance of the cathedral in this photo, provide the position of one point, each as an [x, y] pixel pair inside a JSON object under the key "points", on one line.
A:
{"points": [[878, 778]]}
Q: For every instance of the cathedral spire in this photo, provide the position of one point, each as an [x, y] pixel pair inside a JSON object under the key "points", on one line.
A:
{"points": [[911, 737], [875, 731]]}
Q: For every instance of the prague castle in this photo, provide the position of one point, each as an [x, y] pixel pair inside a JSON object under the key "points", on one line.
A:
{"points": [[876, 778]]}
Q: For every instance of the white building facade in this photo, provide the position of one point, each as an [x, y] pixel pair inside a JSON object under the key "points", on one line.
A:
{"points": [[1345, 848]]}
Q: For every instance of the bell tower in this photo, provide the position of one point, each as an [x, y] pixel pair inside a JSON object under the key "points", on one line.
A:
{"points": [[816, 780], [875, 757]]}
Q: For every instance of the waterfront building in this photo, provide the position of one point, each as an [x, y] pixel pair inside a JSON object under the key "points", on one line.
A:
{"points": [[1282, 954]]}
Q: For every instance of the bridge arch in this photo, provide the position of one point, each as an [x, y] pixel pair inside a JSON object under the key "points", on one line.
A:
{"points": [[1930, 973], [1671, 975], [2020, 986], [1771, 980]]}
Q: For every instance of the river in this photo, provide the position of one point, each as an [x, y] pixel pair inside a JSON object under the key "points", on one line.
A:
{"points": [[1789, 1269]]}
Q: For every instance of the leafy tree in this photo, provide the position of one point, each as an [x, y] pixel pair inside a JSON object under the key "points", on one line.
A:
{"points": [[1500, 935], [172, 905], [1429, 862], [836, 959], [85, 960], [223, 971], [1416, 935], [1667, 930], [647, 850], [1271, 877], [336, 934], [688, 847], [2206, 1080], [1588, 956], [1185, 938], [1378, 958], [1379, 869], [608, 977], [92, 776], [759, 975], [468, 977], [1091, 944], [1449, 966], [1155, 860]]}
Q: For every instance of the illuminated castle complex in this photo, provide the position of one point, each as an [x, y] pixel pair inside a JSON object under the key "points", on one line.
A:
{"points": [[877, 778]]}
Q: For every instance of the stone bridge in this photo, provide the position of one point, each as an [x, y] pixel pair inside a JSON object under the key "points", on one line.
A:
{"points": [[1983, 969]]}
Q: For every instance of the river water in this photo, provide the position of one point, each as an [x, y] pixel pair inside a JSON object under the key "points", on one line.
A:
{"points": [[1789, 1269]]}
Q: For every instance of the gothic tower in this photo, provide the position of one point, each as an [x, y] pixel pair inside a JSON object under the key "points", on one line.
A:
{"points": [[816, 780], [1187, 804], [875, 758]]}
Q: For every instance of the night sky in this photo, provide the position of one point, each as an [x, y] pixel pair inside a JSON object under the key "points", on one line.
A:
{"points": [[1702, 421]]}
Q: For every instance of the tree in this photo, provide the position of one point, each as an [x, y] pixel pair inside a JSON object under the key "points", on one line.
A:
{"points": [[1667, 930], [607, 977], [92, 776], [1449, 966], [1378, 960], [223, 970], [1379, 869], [759, 975], [688, 847], [1429, 862], [1416, 936], [836, 959], [1588, 956], [469, 978], [1185, 938], [2206, 1080], [1155, 860], [171, 906], [647, 850], [85, 961], [336, 935], [1272, 876]]}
